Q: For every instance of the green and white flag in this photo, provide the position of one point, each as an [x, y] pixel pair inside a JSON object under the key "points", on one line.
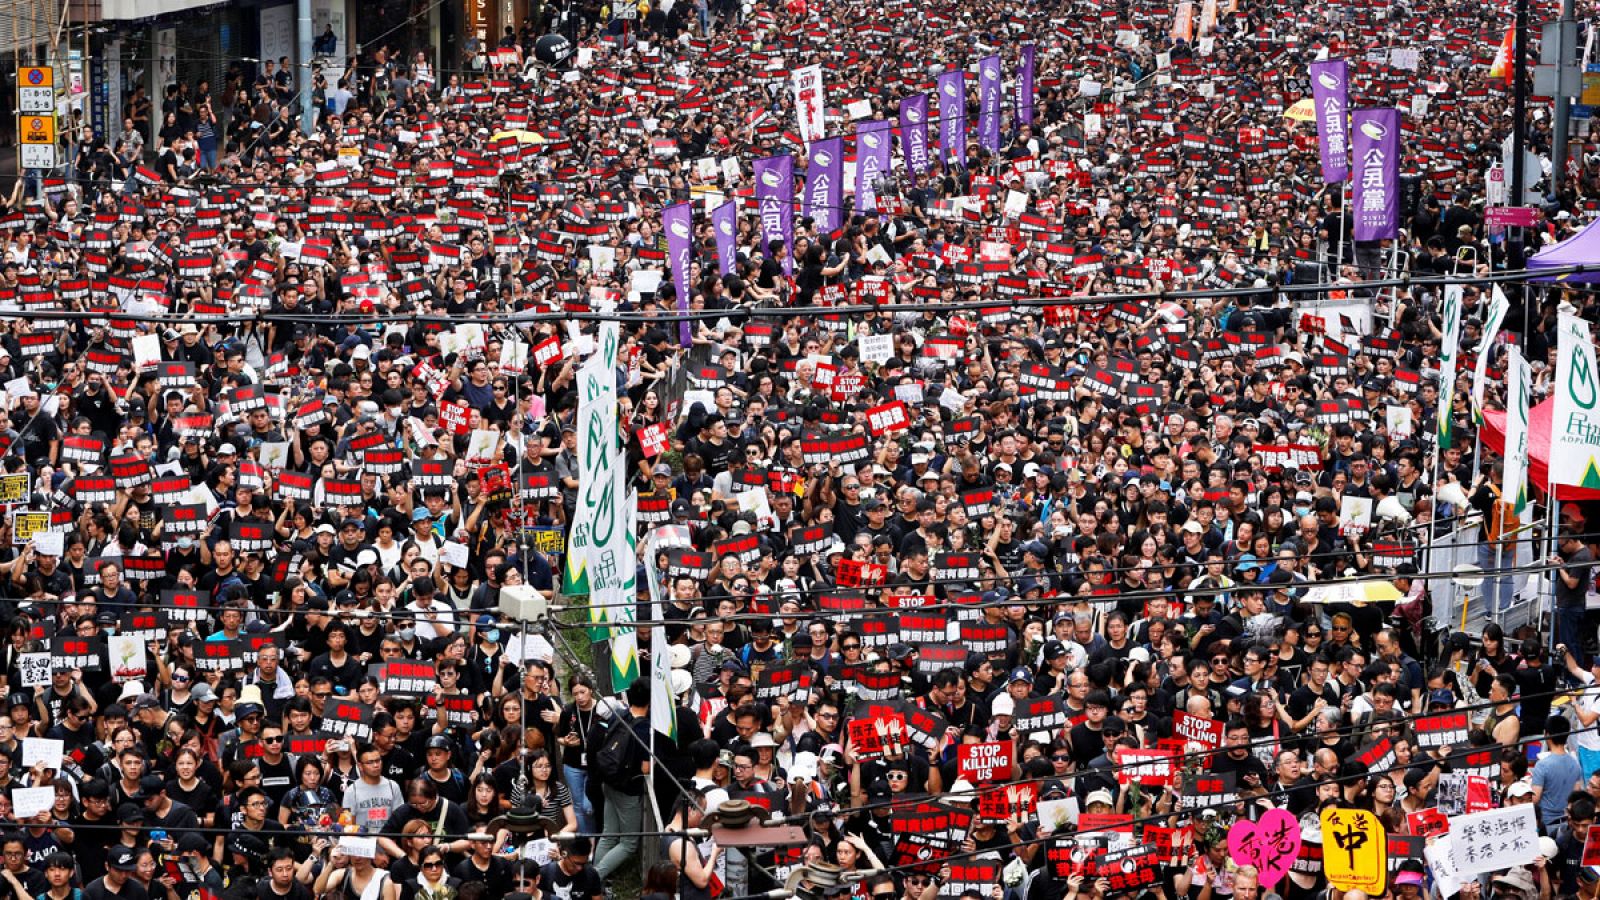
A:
{"points": [[1514, 488], [1449, 349], [600, 558], [1498, 306], [1575, 425]]}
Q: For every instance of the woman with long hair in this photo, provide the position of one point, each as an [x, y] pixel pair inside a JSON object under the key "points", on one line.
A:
{"points": [[483, 802], [189, 786], [549, 795]]}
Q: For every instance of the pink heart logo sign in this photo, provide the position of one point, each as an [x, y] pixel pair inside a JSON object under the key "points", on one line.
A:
{"points": [[1270, 845]]}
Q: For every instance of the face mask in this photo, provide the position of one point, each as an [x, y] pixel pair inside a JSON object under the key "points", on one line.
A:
{"points": [[1302, 510], [494, 635], [406, 634]]}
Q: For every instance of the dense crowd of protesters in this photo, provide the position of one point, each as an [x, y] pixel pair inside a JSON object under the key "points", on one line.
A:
{"points": [[295, 411]]}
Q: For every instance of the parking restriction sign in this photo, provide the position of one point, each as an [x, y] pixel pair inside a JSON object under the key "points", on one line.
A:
{"points": [[36, 130], [36, 92]]}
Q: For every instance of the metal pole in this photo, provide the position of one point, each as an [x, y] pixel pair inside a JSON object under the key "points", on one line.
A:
{"points": [[1338, 256], [308, 115], [1519, 115], [1563, 115]]}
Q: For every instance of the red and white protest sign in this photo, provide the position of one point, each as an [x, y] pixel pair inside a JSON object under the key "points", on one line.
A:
{"points": [[1151, 768], [989, 761], [454, 417], [1197, 729], [653, 439], [847, 385], [547, 351], [891, 416]]}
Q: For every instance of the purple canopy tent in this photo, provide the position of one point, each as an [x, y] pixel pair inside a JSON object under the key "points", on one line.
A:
{"points": [[1582, 249]]}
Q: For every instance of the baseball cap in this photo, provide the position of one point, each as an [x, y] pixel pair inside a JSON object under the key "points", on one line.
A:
{"points": [[1441, 697], [1021, 673], [122, 858]]}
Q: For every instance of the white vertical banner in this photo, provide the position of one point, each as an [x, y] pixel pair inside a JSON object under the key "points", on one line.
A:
{"points": [[1449, 351], [810, 100], [663, 704], [600, 559], [1514, 487], [1575, 426], [1498, 306]]}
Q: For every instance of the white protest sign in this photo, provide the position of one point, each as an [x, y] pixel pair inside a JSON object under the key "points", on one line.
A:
{"points": [[858, 109], [1398, 418], [1355, 512], [453, 554], [1493, 840], [876, 348], [514, 357], [45, 751], [274, 454], [29, 802], [1440, 855], [49, 543], [358, 847], [146, 350], [126, 652], [34, 668]]}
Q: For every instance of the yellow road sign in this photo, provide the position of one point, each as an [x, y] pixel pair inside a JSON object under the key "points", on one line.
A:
{"points": [[1355, 850], [36, 129]]}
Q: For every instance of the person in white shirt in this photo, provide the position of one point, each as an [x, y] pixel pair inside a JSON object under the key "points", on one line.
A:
{"points": [[1585, 738], [435, 616]]}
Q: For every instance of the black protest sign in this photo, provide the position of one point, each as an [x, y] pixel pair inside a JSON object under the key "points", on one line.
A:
{"points": [[784, 680], [935, 658], [185, 606], [69, 651], [409, 678], [1040, 714], [147, 625], [349, 718], [219, 656]]}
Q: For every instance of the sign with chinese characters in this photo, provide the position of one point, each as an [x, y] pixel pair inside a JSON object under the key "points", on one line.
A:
{"points": [[1494, 840], [1271, 844], [1354, 850]]}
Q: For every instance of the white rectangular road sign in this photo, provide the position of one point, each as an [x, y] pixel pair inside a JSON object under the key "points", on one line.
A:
{"points": [[36, 100], [37, 156]]}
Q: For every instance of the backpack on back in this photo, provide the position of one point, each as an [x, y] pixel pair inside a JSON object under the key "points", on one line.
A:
{"points": [[615, 760]]}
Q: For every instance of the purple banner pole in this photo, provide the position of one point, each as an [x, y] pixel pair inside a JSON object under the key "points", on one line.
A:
{"points": [[824, 200], [1377, 174], [775, 200], [914, 133], [1025, 86], [873, 146], [989, 103], [953, 116], [1330, 96], [725, 223], [678, 220]]}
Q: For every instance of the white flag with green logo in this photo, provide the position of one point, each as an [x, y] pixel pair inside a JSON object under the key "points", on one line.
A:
{"points": [[1449, 349], [600, 558], [1514, 487], [1575, 426], [1498, 306]]}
